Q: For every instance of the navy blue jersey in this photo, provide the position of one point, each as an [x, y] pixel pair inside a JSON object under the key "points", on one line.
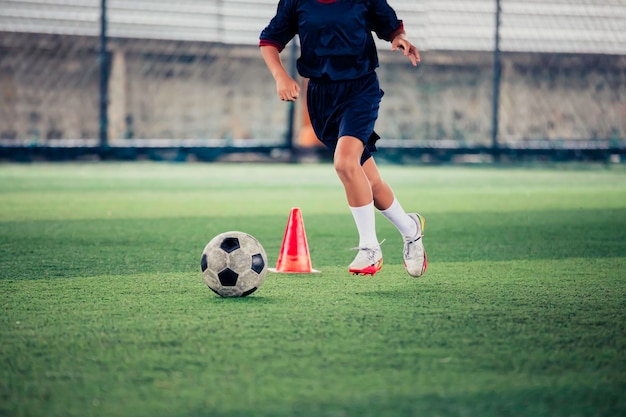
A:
{"points": [[336, 41]]}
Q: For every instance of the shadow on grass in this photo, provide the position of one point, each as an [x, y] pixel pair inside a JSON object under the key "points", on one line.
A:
{"points": [[80, 248], [579, 399], [252, 300]]}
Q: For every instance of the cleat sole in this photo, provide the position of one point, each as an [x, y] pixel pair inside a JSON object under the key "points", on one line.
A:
{"points": [[370, 270]]}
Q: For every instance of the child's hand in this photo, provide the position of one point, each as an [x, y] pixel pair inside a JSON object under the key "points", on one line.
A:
{"points": [[287, 88], [401, 42]]}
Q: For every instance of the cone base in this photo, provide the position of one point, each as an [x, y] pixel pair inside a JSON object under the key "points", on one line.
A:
{"points": [[312, 271]]}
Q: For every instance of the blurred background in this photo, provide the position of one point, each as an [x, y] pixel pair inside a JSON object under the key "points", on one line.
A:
{"points": [[184, 80]]}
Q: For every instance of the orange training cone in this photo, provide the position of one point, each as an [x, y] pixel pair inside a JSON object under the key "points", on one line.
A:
{"points": [[294, 253]]}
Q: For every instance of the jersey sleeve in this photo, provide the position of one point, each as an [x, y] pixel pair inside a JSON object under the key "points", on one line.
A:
{"points": [[283, 26], [382, 19]]}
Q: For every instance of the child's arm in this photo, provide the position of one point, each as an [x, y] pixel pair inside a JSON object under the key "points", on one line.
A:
{"points": [[286, 87]]}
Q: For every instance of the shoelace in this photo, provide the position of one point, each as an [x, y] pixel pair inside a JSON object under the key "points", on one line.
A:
{"points": [[371, 252], [407, 245]]}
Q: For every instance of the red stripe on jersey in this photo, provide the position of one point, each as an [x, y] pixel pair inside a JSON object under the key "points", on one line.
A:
{"points": [[267, 42]]}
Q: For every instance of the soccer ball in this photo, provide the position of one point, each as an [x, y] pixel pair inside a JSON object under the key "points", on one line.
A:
{"points": [[234, 264]]}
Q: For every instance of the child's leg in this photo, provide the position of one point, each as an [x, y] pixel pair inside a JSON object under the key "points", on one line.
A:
{"points": [[409, 225], [347, 161], [385, 201], [357, 188]]}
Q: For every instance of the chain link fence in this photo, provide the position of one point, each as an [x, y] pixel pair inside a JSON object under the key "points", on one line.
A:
{"points": [[189, 73]]}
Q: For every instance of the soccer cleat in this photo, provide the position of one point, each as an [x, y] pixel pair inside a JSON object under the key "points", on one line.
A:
{"points": [[368, 261], [415, 260]]}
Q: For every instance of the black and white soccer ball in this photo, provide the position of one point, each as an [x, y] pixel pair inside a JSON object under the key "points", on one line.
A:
{"points": [[234, 264]]}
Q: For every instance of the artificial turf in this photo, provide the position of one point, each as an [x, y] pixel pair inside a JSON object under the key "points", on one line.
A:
{"points": [[522, 311]]}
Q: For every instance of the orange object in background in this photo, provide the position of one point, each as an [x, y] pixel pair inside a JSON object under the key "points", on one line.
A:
{"points": [[306, 137]]}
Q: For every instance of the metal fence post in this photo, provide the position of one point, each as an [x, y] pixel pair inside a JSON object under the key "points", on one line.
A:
{"points": [[104, 77], [497, 71]]}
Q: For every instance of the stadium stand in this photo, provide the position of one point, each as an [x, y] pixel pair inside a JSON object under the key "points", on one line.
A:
{"points": [[187, 74], [565, 26]]}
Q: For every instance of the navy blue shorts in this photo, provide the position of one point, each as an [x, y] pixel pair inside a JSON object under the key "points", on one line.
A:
{"points": [[345, 108]]}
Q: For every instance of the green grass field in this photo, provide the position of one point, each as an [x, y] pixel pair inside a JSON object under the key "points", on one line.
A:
{"points": [[522, 311]]}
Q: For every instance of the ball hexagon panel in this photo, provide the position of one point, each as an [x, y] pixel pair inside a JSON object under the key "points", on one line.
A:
{"points": [[228, 277], [230, 244], [258, 264]]}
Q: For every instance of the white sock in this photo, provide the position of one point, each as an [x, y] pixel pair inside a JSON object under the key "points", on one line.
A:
{"points": [[365, 220], [396, 215]]}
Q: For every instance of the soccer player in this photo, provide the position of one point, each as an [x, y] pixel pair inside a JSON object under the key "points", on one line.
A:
{"points": [[338, 56]]}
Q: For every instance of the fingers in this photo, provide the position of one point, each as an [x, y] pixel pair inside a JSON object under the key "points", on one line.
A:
{"points": [[289, 96], [402, 44], [408, 49], [414, 56], [289, 91]]}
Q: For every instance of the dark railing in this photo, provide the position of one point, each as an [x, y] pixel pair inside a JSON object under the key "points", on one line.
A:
{"points": [[514, 99]]}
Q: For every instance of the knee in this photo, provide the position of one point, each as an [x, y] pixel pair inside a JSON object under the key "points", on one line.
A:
{"points": [[346, 168]]}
